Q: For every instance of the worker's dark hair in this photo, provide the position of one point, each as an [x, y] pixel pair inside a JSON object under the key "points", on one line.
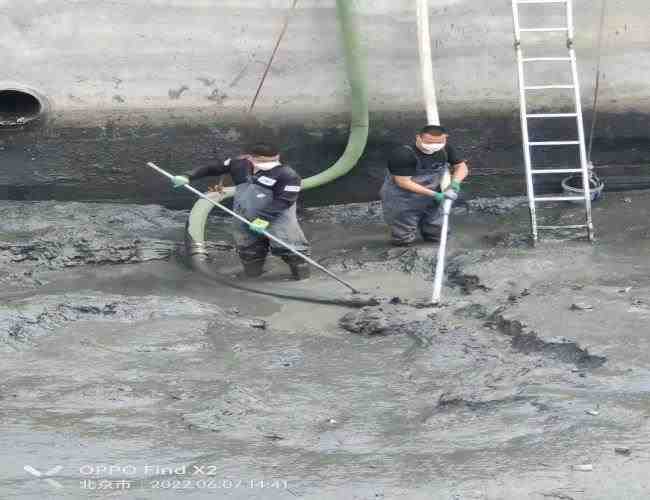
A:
{"points": [[433, 130], [263, 149]]}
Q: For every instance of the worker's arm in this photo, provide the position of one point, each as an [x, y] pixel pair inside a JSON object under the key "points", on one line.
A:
{"points": [[239, 168], [407, 183], [402, 165], [220, 168], [460, 171], [206, 171]]}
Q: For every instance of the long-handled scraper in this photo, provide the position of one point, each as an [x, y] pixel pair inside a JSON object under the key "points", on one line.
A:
{"points": [[265, 233]]}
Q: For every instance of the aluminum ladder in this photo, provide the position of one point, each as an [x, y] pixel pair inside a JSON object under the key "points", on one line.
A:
{"points": [[585, 168]]}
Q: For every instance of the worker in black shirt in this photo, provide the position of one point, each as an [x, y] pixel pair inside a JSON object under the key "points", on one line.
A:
{"points": [[266, 193], [417, 183]]}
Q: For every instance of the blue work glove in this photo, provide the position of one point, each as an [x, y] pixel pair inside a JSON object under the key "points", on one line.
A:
{"points": [[449, 194], [455, 185], [180, 180], [258, 226]]}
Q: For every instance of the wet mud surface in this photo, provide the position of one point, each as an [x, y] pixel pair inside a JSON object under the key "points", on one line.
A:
{"points": [[530, 381]]}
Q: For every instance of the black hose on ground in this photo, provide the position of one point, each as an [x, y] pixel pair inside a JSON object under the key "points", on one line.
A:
{"points": [[199, 263]]}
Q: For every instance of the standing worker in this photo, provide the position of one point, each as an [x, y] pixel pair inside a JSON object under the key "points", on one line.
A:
{"points": [[418, 181], [266, 192]]}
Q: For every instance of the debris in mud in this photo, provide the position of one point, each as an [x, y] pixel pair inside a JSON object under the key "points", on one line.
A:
{"points": [[468, 283], [371, 212], [475, 311], [258, 323], [559, 496], [235, 408], [623, 451], [56, 254], [639, 306], [527, 341], [274, 437], [593, 413], [411, 260], [367, 321], [497, 205], [476, 402], [424, 304], [515, 298], [583, 467], [23, 320], [373, 320], [507, 240], [579, 306], [53, 236], [351, 213], [361, 299], [291, 358]]}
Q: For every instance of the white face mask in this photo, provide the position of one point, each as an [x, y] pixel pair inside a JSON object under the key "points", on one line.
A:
{"points": [[431, 148], [266, 165]]}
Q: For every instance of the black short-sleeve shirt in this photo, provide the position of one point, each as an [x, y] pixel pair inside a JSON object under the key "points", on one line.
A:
{"points": [[403, 161]]}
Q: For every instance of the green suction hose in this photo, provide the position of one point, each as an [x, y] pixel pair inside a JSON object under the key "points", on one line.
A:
{"points": [[355, 63]]}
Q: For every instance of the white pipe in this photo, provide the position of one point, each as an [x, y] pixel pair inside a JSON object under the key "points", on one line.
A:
{"points": [[433, 118], [426, 63], [442, 249]]}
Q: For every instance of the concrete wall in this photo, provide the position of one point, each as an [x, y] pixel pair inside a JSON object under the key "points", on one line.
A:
{"points": [[170, 80]]}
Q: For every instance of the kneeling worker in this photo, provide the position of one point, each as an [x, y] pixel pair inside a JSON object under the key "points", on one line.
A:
{"points": [[265, 193], [417, 183]]}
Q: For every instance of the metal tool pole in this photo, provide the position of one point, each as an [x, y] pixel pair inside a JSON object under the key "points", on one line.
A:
{"points": [[442, 249], [265, 233]]}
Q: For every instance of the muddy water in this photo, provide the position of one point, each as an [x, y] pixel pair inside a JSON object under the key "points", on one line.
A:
{"points": [[144, 380]]}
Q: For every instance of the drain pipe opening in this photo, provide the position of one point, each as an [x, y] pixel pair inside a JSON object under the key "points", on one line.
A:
{"points": [[20, 106]]}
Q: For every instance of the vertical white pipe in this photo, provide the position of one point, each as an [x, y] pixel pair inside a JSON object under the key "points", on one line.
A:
{"points": [[442, 250], [426, 63], [433, 118]]}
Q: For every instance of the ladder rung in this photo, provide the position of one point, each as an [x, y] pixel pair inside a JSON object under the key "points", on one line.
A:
{"points": [[541, 1], [554, 143], [540, 87], [559, 198], [552, 115], [542, 29], [556, 171], [577, 226], [535, 59]]}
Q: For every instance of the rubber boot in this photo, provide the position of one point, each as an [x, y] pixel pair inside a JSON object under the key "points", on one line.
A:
{"points": [[431, 238], [434, 237], [253, 268], [402, 243], [300, 270]]}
